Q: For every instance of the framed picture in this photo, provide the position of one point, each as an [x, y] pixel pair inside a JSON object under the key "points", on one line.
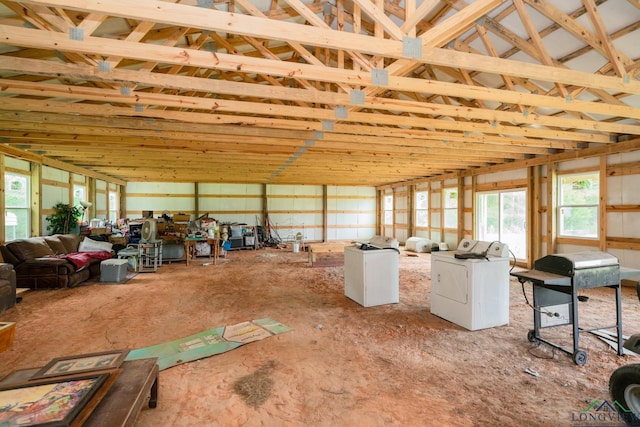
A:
{"points": [[81, 363], [52, 402]]}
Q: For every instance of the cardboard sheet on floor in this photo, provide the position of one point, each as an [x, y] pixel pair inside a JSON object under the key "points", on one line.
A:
{"points": [[209, 343]]}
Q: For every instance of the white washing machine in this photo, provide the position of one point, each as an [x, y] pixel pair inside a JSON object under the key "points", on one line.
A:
{"points": [[371, 273], [473, 292]]}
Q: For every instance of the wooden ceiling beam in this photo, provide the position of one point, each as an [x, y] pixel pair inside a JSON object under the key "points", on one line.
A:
{"points": [[138, 98], [214, 20], [246, 89], [425, 124], [610, 51], [54, 127]]}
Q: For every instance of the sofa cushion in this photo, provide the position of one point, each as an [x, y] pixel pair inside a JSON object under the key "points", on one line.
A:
{"points": [[70, 241], [7, 256], [56, 245], [25, 249]]}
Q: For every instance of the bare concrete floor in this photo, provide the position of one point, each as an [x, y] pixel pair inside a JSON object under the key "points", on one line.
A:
{"points": [[342, 365]]}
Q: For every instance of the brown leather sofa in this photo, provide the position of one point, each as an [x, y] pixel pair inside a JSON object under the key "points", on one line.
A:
{"points": [[39, 262], [7, 286]]}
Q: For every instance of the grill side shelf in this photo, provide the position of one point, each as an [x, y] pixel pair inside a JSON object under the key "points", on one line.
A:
{"points": [[542, 277]]}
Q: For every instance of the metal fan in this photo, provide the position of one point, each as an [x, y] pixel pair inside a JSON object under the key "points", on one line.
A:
{"points": [[148, 232]]}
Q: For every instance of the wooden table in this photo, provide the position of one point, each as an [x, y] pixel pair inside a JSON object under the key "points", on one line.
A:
{"points": [[123, 402], [324, 248], [190, 247]]}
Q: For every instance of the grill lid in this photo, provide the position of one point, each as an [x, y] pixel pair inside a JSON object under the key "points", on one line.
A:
{"points": [[567, 264]]}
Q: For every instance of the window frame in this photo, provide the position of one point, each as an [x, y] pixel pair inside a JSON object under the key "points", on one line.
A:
{"points": [[76, 199], [563, 204], [500, 226], [24, 210], [387, 213], [448, 210], [113, 207], [422, 210]]}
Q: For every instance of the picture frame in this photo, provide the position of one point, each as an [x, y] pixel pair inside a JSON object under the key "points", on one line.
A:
{"points": [[89, 362], [51, 402]]}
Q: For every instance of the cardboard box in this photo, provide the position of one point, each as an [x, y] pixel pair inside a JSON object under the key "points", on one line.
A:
{"points": [[7, 332], [99, 230], [181, 218], [118, 240], [180, 228]]}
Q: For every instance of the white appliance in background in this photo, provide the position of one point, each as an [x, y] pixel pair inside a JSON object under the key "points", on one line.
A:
{"points": [[371, 273], [473, 292]]}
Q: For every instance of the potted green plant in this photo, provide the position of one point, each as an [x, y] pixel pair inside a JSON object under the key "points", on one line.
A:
{"points": [[64, 219]]}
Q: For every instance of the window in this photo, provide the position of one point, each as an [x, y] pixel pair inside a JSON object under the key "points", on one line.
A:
{"points": [[502, 216], [17, 214], [450, 207], [79, 194], [113, 206], [388, 210], [578, 199], [422, 208]]}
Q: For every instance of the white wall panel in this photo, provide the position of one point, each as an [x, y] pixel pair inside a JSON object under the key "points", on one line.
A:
{"points": [[218, 188], [435, 220], [435, 199], [615, 190], [55, 174], [52, 194], [351, 213], [173, 197], [451, 239], [591, 162], [161, 187], [630, 190], [630, 226], [632, 156], [14, 163], [502, 176]]}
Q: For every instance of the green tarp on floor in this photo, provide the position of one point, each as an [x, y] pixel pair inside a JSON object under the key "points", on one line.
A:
{"points": [[209, 343]]}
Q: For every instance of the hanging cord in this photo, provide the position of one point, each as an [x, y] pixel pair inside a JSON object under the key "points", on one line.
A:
{"points": [[515, 260], [536, 344]]}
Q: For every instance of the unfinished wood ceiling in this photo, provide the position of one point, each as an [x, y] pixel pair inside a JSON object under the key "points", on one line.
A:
{"points": [[344, 92]]}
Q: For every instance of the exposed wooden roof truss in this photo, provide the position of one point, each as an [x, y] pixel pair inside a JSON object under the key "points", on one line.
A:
{"points": [[345, 92]]}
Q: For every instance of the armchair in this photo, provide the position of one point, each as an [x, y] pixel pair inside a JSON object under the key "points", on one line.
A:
{"points": [[7, 286]]}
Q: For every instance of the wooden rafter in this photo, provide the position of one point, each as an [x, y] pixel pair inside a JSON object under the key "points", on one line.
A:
{"points": [[299, 92]]}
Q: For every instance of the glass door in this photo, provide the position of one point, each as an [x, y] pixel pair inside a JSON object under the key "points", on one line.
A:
{"points": [[502, 216]]}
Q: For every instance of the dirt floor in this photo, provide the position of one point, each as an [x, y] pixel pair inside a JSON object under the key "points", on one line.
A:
{"points": [[341, 365]]}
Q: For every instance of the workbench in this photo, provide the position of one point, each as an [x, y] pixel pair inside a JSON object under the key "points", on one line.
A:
{"points": [[316, 249]]}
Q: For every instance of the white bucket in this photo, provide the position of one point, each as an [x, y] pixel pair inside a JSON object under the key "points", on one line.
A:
{"points": [[296, 247]]}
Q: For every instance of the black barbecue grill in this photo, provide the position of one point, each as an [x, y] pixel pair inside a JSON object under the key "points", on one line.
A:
{"points": [[556, 281]]}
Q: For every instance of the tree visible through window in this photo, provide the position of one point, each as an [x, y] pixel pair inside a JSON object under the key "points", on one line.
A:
{"points": [[17, 214], [578, 204], [502, 216]]}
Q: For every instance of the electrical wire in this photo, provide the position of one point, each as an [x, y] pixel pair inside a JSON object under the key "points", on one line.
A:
{"points": [[534, 308], [538, 356], [515, 260]]}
